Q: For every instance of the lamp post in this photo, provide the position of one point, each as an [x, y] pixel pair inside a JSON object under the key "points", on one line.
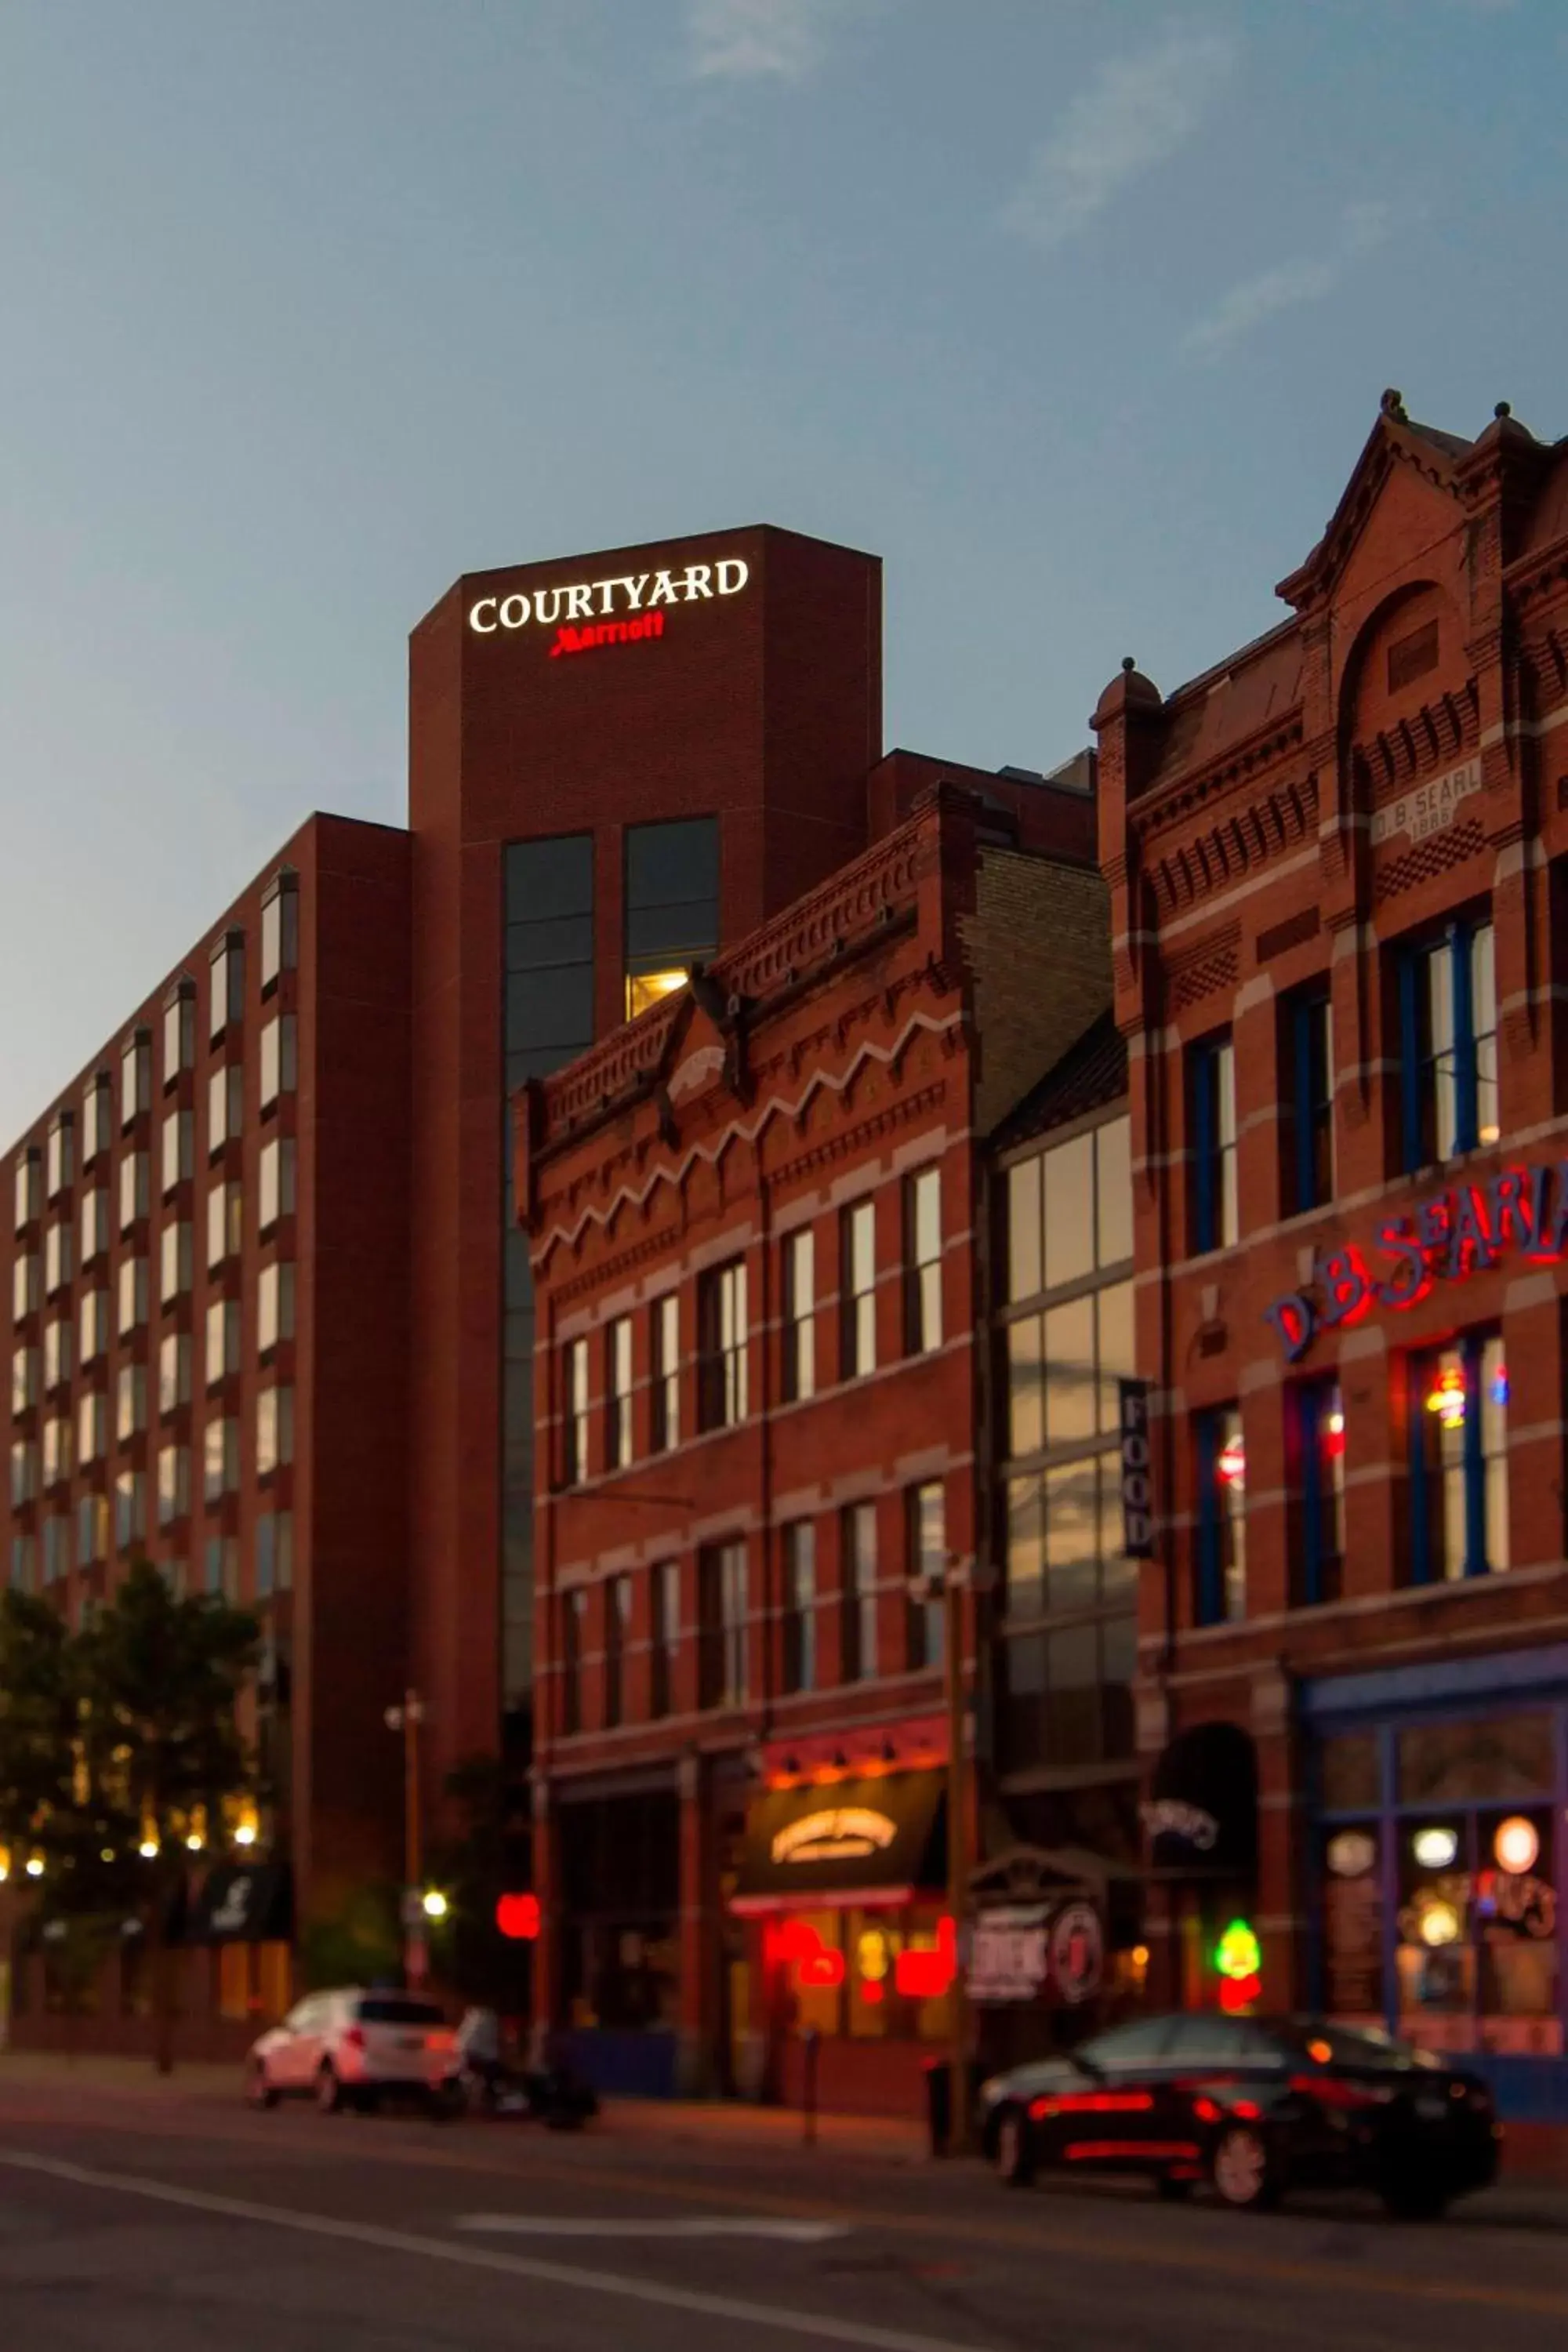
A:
{"points": [[407, 1718], [955, 1576]]}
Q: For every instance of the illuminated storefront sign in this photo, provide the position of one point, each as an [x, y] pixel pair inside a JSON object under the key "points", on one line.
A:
{"points": [[833, 1835], [1454, 1234], [578, 609]]}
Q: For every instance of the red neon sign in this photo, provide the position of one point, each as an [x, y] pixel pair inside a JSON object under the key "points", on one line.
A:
{"points": [[926, 1976], [595, 634], [517, 1916]]}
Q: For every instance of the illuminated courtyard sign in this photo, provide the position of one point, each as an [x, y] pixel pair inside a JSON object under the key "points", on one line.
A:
{"points": [[584, 604]]}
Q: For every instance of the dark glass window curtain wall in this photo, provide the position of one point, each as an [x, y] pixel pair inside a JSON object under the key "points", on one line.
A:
{"points": [[672, 905]]}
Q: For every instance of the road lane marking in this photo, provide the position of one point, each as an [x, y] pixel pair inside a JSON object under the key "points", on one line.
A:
{"points": [[818, 2325], [707, 2225]]}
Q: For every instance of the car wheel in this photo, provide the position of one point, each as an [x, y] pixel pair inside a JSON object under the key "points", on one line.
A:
{"points": [[1173, 2189], [329, 2091], [1010, 2152], [1242, 2170], [259, 2090]]}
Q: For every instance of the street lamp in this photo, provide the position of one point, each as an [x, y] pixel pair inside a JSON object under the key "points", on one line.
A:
{"points": [[407, 1718], [947, 1584], [434, 1904]]}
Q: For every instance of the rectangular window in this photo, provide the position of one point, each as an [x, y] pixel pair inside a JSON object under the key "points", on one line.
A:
{"points": [[858, 1592], [221, 1567], [618, 1392], [29, 1189], [1459, 1460], [922, 1261], [1211, 1110], [573, 1616], [23, 1563], [225, 993], [129, 1509], [857, 1289], [56, 1450], [665, 1321], [131, 1284], [95, 1223], [671, 905], [926, 1528], [721, 1344], [800, 1607], [1307, 1099], [1448, 1045], [176, 1156], [174, 1372], [135, 1077], [129, 1402], [61, 1159], [133, 1189], [1317, 1439], [96, 1117], [274, 1553], [575, 1411], [275, 1180], [279, 927], [220, 1458], [24, 1472], [225, 1107], [27, 1285], [226, 1223], [173, 1484], [91, 1427], [617, 1638], [274, 1430], [59, 1558], [179, 1033], [548, 1011], [723, 1597], [799, 1365], [274, 1306], [94, 1324], [91, 1529], [23, 1379], [664, 1599], [174, 1263], [57, 1353], [222, 1340], [57, 1258], [277, 1059], [1220, 1595]]}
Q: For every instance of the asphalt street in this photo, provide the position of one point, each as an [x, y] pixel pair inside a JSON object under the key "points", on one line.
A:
{"points": [[130, 2222]]}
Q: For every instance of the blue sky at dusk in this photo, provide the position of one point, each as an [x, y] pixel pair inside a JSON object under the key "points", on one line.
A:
{"points": [[1076, 310]]}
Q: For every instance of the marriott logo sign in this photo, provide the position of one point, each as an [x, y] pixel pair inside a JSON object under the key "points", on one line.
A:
{"points": [[603, 600]]}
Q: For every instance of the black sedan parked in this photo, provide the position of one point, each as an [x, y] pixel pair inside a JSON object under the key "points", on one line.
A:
{"points": [[1255, 2105]]}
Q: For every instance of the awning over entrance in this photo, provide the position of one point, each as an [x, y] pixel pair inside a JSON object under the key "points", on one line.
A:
{"points": [[243, 1902], [1201, 1814], [844, 1842]]}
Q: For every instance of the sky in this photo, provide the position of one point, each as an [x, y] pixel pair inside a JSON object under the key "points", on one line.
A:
{"points": [[1076, 311]]}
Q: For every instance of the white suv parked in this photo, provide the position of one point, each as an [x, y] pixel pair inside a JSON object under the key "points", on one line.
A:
{"points": [[351, 2047]]}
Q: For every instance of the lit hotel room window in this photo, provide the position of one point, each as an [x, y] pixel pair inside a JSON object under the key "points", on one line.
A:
{"points": [[672, 906]]}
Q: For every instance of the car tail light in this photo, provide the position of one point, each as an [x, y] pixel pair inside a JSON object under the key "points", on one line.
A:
{"points": [[442, 2040], [355, 2038], [1330, 2091]]}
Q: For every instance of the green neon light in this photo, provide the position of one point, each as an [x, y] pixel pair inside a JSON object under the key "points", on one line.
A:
{"points": [[1238, 1953]]}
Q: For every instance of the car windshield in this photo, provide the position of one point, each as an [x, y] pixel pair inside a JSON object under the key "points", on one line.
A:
{"points": [[399, 2012]]}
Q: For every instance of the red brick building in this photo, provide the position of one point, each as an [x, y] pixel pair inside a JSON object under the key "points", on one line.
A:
{"points": [[761, 1225], [1336, 864]]}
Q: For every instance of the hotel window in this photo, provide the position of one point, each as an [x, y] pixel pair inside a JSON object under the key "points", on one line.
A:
{"points": [[665, 1610], [666, 1338], [279, 927], [174, 1263], [721, 1619], [91, 1529], [618, 1392], [56, 1450], [274, 1430], [23, 1563], [925, 1525], [225, 1107], [1306, 1127], [91, 1427], [575, 1411], [129, 1509], [548, 1007], [799, 1368], [176, 1158], [94, 1321], [60, 1162], [1459, 1460], [23, 1379], [1220, 1582], [179, 1031], [133, 1189], [225, 989], [57, 1258], [28, 1188], [617, 1634], [57, 1353], [96, 1117], [26, 1285], [220, 1459], [573, 1625], [274, 1553], [722, 1334], [277, 1059], [58, 1558], [95, 1223], [274, 1306], [135, 1077], [131, 1284], [226, 1223], [1448, 1045], [858, 1592], [857, 1289], [173, 1484], [671, 905], [24, 1472], [174, 1372], [1211, 1110], [800, 1607], [129, 1402], [275, 1180], [1316, 1439], [221, 1565], [922, 1261], [222, 1340]]}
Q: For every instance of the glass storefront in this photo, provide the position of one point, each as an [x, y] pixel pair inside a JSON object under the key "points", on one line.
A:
{"points": [[865, 1974]]}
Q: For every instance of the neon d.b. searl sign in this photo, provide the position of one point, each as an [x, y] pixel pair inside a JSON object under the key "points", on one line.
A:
{"points": [[1446, 1238]]}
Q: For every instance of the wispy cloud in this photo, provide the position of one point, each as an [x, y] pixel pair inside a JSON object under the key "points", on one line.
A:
{"points": [[1136, 113], [1284, 286], [753, 40]]}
